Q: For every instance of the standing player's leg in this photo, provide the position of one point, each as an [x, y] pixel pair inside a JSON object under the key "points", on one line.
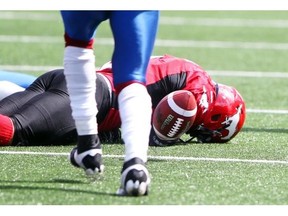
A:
{"points": [[134, 34], [79, 70]]}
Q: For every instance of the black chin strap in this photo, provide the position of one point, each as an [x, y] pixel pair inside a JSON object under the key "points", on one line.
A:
{"points": [[202, 134]]}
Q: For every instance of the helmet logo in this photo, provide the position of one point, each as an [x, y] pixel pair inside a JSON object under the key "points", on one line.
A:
{"points": [[231, 123], [204, 100]]}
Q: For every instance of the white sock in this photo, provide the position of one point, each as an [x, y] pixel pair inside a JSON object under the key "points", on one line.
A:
{"points": [[135, 109], [79, 70]]}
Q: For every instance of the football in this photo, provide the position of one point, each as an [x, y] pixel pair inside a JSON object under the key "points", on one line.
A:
{"points": [[174, 115]]}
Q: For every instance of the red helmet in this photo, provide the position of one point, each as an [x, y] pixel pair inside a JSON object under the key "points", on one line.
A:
{"points": [[225, 118]]}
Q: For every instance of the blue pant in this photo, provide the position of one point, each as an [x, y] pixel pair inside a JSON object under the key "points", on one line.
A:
{"points": [[134, 34]]}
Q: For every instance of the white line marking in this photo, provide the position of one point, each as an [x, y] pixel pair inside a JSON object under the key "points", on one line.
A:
{"points": [[28, 16], [35, 153], [253, 74], [261, 23], [221, 44], [267, 111], [31, 39], [219, 159], [159, 42], [29, 68], [158, 157], [164, 20]]}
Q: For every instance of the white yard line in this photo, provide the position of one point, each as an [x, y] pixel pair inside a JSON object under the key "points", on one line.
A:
{"points": [[29, 68], [231, 22], [159, 42], [252, 74], [263, 111], [221, 44], [164, 20], [18, 15], [158, 157]]}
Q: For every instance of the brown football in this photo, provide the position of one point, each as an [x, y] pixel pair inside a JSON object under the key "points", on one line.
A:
{"points": [[174, 115]]}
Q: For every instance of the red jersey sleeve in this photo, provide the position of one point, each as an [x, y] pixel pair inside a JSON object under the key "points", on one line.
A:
{"points": [[168, 73], [112, 119]]}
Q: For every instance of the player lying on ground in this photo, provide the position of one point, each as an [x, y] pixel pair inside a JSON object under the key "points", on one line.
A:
{"points": [[41, 114]]}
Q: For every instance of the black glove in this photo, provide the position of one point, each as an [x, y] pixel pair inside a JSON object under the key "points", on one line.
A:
{"points": [[154, 140]]}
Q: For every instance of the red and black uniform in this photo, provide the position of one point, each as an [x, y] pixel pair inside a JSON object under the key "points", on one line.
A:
{"points": [[166, 74], [42, 115]]}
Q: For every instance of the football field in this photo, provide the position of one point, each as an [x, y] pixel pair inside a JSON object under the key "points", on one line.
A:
{"points": [[244, 49]]}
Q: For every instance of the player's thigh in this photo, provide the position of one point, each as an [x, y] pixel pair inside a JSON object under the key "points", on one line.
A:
{"points": [[81, 25], [135, 29], [134, 34]]}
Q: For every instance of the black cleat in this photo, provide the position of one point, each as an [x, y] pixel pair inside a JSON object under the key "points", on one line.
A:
{"points": [[91, 159], [135, 178]]}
